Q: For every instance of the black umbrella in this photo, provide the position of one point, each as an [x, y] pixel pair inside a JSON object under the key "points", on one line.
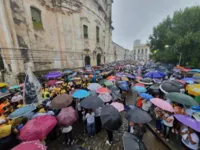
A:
{"points": [[171, 86], [131, 142], [116, 95], [154, 89], [91, 102], [110, 118], [138, 115], [113, 88]]}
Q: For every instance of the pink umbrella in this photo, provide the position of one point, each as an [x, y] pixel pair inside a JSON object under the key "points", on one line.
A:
{"points": [[67, 116], [51, 82], [118, 106], [162, 104], [30, 145], [138, 78], [37, 128], [105, 97]]}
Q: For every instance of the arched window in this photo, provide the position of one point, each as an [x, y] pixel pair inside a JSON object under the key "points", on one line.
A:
{"points": [[36, 18], [98, 59], [87, 60]]}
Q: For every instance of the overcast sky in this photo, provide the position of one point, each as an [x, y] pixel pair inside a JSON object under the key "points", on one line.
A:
{"points": [[135, 19]]}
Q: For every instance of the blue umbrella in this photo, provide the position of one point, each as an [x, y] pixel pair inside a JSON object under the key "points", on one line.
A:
{"points": [[124, 86], [155, 74], [130, 76], [74, 74], [80, 94], [146, 96], [139, 89], [188, 80], [67, 72], [14, 87], [22, 111], [195, 70]]}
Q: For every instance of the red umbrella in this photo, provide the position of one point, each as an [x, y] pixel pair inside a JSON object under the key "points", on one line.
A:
{"points": [[139, 84], [37, 128], [51, 82], [103, 90], [67, 116], [30, 145]]}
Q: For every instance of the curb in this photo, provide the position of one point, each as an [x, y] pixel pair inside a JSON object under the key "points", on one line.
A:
{"points": [[163, 142]]}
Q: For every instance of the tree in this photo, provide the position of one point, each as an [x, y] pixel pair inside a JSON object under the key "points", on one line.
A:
{"points": [[182, 33]]}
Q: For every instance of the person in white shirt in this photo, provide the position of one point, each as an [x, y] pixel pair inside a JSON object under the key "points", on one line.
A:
{"points": [[190, 140], [146, 105], [16, 98], [168, 120], [90, 123]]}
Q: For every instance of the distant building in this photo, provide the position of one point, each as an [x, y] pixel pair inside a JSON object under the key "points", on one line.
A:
{"points": [[140, 51], [120, 53]]}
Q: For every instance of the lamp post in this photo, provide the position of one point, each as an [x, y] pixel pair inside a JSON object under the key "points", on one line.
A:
{"points": [[180, 54]]}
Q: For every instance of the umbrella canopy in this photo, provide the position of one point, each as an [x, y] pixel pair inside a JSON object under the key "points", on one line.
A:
{"points": [[105, 97], [94, 86], [111, 78], [188, 121], [125, 79], [196, 116], [53, 75], [181, 99], [51, 82], [188, 80], [154, 74], [67, 116], [193, 89], [30, 145], [14, 87], [80, 94], [102, 90], [108, 83], [91, 102], [59, 82], [61, 101], [146, 96], [139, 89], [102, 81], [195, 70], [139, 84], [197, 99], [37, 128], [138, 116], [113, 88], [110, 118], [118, 106], [162, 104], [154, 89], [124, 86], [22, 111], [67, 72], [171, 86], [130, 76], [131, 142], [145, 81], [2, 84]]}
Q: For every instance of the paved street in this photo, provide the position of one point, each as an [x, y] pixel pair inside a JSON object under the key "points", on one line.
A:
{"points": [[98, 142]]}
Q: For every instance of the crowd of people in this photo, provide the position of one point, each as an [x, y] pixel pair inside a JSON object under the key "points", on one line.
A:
{"points": [[123, 78]]}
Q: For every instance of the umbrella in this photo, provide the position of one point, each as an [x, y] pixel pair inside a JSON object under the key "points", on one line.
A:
{"points": [[157, 81], [51, 82], [139, 84], [171, 86], [181, 98], [67, 72], [197, 99], [124, 86], [188, 80], [154, 89], [102, 90], [125, 79], [138, 78], [131, 142], [196, 116], [119, 74], [188, 121], [138, 116], [145, 81], [2, 84], [108, 83], [53, 75], [110, 78], [94, 86], [37, 128], [14, 87], [162, 104], [59, 82], [139, 89], [113, 88], [110, 118], [61, 101], [130, 76], [195, 70], [102, 81], [67, 116], [154, 74], [92, 93], [30, 145], [146, 96], [22, 111], [75, 147], [91, 102], [80, 94], [118, 106], [105, 97], [193, 89]]}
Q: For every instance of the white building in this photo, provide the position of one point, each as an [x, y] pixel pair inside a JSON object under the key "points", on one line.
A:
{"points": [[140, 51], [120, 53]]}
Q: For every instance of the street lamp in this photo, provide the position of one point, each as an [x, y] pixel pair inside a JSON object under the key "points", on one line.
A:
{"points": [[167, 46]]}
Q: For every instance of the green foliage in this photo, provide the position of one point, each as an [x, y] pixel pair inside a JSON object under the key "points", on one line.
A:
{"points": [[182, 33]]}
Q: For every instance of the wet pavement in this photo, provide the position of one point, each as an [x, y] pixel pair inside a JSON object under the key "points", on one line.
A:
{"points": [[98, 142]]}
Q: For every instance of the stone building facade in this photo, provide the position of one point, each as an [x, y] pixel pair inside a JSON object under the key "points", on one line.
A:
{"points": [[120, 53], [49, 34], [141, 52]]}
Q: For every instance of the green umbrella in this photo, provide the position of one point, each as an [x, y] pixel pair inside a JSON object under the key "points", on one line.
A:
{"points": [[181, 98], [108, 83], [197, 99], [14, 87]]}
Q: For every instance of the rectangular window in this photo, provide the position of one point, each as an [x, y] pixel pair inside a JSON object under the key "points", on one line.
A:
{"points": [[9, 68], [85, 31], [97, 34], [36, 18]]}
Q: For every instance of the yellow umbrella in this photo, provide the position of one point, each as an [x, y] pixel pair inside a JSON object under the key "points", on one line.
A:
{"points": [[125, 79], [193, 89], [2, 84]]}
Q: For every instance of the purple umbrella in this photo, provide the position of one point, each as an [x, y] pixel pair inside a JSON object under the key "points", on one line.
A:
{"points": [[53, 75], [188, 80], [130, 76], [188, 121], [155, 74], [119, 74], [176, 70]]}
